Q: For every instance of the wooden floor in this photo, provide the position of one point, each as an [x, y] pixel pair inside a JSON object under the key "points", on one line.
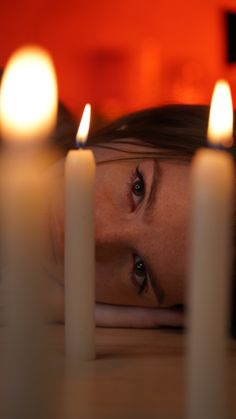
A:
{"points": [[138, 374]]}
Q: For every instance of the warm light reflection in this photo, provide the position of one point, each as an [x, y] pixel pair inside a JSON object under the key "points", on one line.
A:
{"points": [[220, 127], [28, 97], [83, 130]]}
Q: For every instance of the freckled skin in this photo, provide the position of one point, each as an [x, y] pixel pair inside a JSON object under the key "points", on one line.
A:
{"points": [[122, 229], [161, 240]]}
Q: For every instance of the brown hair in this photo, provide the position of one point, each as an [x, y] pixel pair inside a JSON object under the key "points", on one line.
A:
{"points": [[175, 131]]}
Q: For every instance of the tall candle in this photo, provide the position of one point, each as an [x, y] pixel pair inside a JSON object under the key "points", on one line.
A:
{"points": [[212, 189], [28, 110], [80, 248]]}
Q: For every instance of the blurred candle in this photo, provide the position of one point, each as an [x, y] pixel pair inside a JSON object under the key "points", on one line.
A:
{"points": [[80, 247], [28, 111], [210, 270], [28, 97]]}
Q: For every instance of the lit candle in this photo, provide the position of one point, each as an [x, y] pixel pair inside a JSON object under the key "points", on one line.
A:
{"points": [[28, 110], [80, 248], [28, 96], [212, 185]]}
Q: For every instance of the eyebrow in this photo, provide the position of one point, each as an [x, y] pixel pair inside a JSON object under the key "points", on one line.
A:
{"points": [[148, 213]]}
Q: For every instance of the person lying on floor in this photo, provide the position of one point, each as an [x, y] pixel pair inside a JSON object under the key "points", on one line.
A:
{"points": [[142, 215]]}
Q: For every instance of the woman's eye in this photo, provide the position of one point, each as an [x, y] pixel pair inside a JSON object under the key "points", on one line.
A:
{"points": [[138, 187], [140, 275]]}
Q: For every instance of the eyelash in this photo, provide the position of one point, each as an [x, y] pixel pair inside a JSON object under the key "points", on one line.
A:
{"points": [[137, 178], [143, 286]]}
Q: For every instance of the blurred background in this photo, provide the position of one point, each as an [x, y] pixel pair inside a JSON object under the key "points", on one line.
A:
{"points": [[124, 55]]}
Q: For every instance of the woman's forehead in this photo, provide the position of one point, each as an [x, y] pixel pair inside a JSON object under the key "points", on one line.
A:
{"points": [[126, 148]]}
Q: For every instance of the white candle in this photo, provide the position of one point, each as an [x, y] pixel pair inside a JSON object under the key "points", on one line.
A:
{"points": [[213, 182], [28, 110], [80, 248]]}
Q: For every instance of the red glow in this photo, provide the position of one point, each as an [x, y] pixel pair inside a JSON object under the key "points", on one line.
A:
{"points": [[124, 55]]}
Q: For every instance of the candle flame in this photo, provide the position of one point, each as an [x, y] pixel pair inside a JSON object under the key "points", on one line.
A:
{"points": [[28, 96], [83, 130], [220, 127]]}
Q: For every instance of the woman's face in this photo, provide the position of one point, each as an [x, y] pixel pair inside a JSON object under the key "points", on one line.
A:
{"points": [[142, 217]]}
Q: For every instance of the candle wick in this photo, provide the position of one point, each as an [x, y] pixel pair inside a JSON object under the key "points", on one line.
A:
{"points": [[219, 147], [81, 145]]}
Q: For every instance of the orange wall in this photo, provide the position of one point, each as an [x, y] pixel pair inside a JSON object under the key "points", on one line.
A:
{"points": [[123, 55]]}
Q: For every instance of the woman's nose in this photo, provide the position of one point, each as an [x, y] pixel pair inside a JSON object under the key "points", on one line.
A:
{"points": [[112, 238]]}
